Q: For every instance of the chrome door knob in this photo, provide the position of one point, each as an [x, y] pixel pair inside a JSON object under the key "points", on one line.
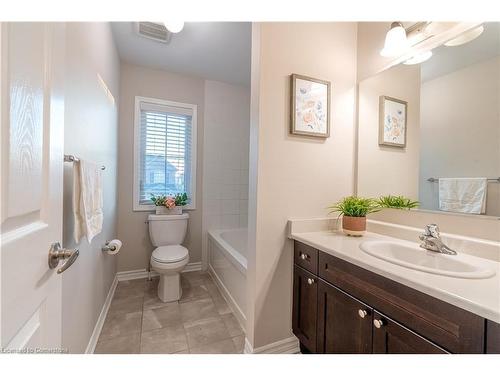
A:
{"points": [[362, 313], [378, 323], [57, 253], [303, 256], [310, 281]]}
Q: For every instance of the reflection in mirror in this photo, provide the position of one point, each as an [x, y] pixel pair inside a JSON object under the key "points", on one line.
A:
{"points": [[450, 160]]}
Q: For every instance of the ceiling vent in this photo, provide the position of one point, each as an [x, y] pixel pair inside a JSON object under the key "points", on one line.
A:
{"points": [[154, 31]]}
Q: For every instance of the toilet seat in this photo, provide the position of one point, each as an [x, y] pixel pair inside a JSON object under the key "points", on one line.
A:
{"points": [[170, 254]]}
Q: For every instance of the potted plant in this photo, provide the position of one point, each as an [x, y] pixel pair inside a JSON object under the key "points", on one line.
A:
{"points": [[397, 201], [169, 204], [353, 211]]}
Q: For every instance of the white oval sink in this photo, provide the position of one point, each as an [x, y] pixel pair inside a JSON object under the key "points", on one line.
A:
{"points": [[412, 256]]}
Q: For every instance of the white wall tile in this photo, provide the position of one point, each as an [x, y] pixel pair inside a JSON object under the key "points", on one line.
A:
{"points": [[243, 191], [230, 221], [243, 206], [230, 206], [243, 220]]}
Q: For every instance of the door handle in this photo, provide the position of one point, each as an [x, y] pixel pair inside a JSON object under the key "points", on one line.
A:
{"points": [[57, 253]]}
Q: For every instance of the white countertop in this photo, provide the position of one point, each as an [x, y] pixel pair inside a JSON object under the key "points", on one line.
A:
{"points": [[479, 296]]}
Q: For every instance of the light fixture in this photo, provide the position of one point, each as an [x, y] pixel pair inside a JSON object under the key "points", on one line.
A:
{"points": [[420, 58], [174, 26], [395, 41], [465, 37]]}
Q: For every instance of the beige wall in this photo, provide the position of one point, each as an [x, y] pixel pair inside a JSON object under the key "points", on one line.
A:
{"points": [[132, 229], [91, 125], [293, 176], [384, 170], [371, 38], [461, 126]]}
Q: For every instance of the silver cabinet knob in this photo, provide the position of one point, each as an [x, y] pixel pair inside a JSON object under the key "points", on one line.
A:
{"points": [[303, 256], [310, 281], [378, 323], [362, 313], [57, 253]]}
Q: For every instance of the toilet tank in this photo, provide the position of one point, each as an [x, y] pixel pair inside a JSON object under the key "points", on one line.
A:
{"points": [[167, 230]]}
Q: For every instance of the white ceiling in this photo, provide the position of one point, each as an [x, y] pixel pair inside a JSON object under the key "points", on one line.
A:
{"points": [[212, 50]]}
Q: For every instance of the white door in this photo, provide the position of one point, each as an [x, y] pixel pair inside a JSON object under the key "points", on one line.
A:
{"points": [[32, 135]]}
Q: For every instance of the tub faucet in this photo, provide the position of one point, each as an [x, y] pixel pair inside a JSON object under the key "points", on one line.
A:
{"points": [[431, 240]]}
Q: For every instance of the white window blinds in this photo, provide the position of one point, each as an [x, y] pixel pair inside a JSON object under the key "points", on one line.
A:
{"points": [[165, 152]]}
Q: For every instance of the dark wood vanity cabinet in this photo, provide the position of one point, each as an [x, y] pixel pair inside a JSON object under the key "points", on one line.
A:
{"points": [[342, 308]]}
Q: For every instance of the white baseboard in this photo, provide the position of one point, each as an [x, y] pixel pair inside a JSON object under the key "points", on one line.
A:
{"points": [[191, 267], [102, 317], [143, 273], [240, 316], [132, 275], [286, 346]]}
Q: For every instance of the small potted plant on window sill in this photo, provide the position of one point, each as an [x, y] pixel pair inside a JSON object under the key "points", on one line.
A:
{"points": [[353, 211], [169, 204]]}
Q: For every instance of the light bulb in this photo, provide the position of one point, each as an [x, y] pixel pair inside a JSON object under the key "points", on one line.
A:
{"points": [[174, 26], [395, 41]]}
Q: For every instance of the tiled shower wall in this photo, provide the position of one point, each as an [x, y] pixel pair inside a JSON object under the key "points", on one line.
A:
{"points": [[225, 156]]}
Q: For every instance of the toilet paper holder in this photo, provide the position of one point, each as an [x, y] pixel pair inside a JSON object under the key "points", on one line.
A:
{"points": [[107, 247]]}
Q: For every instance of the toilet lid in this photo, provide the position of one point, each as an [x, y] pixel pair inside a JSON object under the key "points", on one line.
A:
{"points": [[170, 254]]}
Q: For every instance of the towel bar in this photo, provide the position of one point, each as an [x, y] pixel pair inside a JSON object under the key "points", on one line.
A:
{"points": [[434, 179], [72, 158]]}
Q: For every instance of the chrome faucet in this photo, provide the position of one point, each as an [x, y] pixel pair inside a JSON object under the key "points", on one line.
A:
{"points": [[431, 240]]}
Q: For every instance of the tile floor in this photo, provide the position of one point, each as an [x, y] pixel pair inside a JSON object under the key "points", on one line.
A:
{"points": [[201, 322]]}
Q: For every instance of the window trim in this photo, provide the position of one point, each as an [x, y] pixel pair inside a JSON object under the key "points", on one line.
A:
{"points": [[137, 149]]}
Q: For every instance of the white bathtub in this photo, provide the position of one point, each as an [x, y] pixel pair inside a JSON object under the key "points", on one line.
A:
{"points": [[227, 263]]}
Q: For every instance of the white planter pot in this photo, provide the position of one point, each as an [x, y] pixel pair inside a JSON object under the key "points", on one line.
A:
{"points": [[162, 210]]}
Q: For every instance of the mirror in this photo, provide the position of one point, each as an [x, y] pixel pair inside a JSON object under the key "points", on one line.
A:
{"points": [[431, 131]]}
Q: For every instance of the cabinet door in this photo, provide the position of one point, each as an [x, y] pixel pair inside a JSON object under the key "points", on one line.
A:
{"points": [[390, 337], [305, 307], [492, 337], [344, 323]]}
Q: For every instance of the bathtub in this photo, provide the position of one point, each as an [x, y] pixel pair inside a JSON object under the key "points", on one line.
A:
{"points": [[227, 264]]}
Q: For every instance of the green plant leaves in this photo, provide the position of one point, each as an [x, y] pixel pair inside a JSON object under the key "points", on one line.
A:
{"points": [[397, 201], [355, 206], [180, 199], [359, 207]]}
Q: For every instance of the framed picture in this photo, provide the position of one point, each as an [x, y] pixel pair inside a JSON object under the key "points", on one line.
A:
{"points": [[310, 106], [392, 122]]}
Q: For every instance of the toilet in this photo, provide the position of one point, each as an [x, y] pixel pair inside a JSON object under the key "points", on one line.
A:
{"points": [[169, 258]]}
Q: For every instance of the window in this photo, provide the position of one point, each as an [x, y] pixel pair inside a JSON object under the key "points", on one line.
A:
{"points": [[164, 150]]}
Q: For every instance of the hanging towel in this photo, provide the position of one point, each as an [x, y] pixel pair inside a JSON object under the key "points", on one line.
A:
{"points": [[87, 200], [466, 195]]}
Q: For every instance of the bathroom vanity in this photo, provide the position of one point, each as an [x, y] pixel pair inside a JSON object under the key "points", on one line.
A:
{"points": [[343, 307]]}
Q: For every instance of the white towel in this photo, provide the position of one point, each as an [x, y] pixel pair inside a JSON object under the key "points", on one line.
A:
{"points": [[466, 195], [87, 200]]}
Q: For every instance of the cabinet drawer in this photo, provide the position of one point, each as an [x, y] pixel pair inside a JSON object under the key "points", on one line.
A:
{"points": [[306, 257], [456, 330]]}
